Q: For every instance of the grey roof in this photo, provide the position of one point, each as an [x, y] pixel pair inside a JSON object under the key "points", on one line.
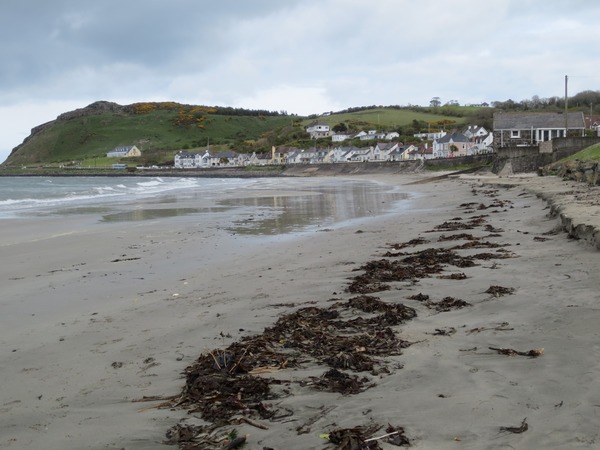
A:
{"points": [[526, 121], [122, 148], [455, 137], [225, 154]]}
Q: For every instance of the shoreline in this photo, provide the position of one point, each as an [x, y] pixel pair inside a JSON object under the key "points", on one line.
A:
{"points": [[71, 381]]}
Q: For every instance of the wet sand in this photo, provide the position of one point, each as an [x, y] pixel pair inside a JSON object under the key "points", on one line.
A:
{"points": [[150, 303]]}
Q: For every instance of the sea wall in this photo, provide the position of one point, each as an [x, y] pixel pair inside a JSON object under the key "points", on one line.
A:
{"points": [[581, 171], [533, 158]]}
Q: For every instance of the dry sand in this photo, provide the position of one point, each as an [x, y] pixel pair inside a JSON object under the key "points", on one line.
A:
{"points": [[149, 302]]}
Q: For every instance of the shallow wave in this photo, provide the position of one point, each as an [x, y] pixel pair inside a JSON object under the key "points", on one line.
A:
{"points": [[21, 195]]}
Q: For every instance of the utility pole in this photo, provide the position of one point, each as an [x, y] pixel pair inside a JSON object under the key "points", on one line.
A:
{"points": [[566, 108]]}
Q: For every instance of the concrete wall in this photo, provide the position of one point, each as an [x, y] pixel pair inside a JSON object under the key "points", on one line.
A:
{"points": [[531, 159]]}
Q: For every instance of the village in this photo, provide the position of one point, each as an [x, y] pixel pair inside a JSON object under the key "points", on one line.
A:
{"points": [[509, 130]]}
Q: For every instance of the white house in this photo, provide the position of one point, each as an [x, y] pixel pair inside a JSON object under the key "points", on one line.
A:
{"points": [[370, 135], [430, 136], [343, 154], [341, 137], [402, 152], [124, 151], [318, 130], [482, 144], [186, 160], [474, 131], [361, 155], [422, 152], [382, 151]]}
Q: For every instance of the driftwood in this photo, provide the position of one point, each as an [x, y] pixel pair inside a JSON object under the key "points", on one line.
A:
{"points": [[517, 430], [533, 353]]}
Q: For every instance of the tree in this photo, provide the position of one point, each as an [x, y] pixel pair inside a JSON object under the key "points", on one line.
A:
{"points": [[340, 127], [435, 102]]}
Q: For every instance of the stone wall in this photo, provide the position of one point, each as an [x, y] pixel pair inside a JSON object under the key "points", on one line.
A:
{"points": [[532, 159], [581, 171]]}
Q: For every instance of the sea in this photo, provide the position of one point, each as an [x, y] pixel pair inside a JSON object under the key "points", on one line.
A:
{"points": [[250, 206]]}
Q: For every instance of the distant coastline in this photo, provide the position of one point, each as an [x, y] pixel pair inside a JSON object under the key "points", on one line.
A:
{"points": [[363, 168]]}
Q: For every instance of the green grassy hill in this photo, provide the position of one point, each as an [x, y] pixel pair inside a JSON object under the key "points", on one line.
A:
{"points": [[162, 129], [394, 117], [587, 154]]}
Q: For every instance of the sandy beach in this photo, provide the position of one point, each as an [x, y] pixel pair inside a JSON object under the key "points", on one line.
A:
{"points": [[468, 373]]}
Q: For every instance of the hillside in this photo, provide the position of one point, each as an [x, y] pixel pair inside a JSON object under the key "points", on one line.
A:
{"points": [[161, 129]]}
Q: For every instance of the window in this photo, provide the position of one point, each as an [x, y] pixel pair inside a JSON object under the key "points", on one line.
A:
{"points": [[515, 134]]}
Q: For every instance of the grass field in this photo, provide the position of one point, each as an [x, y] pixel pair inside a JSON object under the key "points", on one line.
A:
{"points": [[384, 117], [587, 154]]}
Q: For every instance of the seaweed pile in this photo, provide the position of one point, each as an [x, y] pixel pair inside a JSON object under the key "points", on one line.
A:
{"points": [[352, 340], [227, 386]]}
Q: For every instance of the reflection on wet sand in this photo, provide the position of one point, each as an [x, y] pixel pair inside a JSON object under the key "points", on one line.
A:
{"points": [[156, 213], [279, 214]]}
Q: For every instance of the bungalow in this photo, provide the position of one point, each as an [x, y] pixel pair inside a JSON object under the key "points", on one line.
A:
{"points": [[430, 136], [124, 151], [370, 135], [527, 129], [341, 137]]}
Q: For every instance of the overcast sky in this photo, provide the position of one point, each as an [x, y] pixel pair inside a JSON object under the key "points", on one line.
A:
{"points": [[299, 56]]}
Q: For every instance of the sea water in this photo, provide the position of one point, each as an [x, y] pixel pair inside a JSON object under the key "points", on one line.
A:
{"points": [[251, 206]]}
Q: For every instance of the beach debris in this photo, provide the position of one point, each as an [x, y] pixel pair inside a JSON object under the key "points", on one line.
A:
{"points": [[323, 411], [520, 429], [394, 435], [124, 258], [501, 327], [357, 438], [490, 229], [411, 243], [533, 353], [354, 438], [453, 276], [444, 331], [447, 304], [335, 381], [478, 244], [233, 385], [234, 441], [189, 437], [459, 236], [499, 291]]}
